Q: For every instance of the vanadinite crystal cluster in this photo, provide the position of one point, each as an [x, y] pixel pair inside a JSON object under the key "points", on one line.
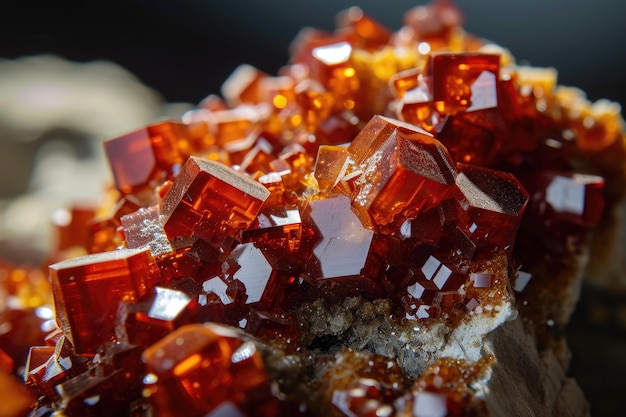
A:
{"points": [[394, 225]]}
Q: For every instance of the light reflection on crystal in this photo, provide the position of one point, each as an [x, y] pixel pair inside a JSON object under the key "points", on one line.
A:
{"points": [[168, 304], [345, 243]]}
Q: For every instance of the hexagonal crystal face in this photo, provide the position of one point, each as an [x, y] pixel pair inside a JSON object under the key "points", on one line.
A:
{"points": [[345, 244]]}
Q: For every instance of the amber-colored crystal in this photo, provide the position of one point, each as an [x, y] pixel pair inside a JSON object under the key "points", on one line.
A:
{"points": [[146, 157], [210, 201], [416, 107], [361, 30], [330, 166], [253, 154], [463, 82], [329, 63], [234, 124], [315, 101], [88, 289], [279, 91], [154, 316], [404, 81], [406, 171], [199, 368], [242, 86], [103, 236]]}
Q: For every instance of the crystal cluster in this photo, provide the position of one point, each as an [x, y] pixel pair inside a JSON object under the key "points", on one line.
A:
{"points": [[393, 168]]}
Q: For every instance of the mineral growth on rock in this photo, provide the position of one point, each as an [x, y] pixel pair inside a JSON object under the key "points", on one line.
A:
{"points": [[394, 225]]}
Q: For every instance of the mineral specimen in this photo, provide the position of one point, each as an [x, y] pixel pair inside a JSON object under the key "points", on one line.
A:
{"points": [[390, 227]]}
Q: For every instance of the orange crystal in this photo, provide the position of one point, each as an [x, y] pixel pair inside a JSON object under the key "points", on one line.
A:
{"points": [[406, 171], [146, 157], [495, 202], [87, 291], [361, 30], [210, 201], [198, 368], [463, 82]]}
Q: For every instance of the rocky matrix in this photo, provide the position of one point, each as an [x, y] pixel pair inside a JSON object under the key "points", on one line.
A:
{"points": [[394, 225]]}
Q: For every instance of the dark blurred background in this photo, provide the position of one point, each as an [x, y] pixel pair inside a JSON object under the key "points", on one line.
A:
{"points": [[184, 50]]}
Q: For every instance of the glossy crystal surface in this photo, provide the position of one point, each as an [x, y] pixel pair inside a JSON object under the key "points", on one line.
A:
{"points": [[88, 289], [146, 156], [210, 201]]}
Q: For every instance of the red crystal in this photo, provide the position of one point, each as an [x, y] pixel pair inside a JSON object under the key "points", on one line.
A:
{"points": [[87, 291], [463, 82], [242, 86], [495, 202], [361, 30], [210, 201], [154, 316], [575, 198], [146, 157], [405, 171], [198, 368], [71, 227]]}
